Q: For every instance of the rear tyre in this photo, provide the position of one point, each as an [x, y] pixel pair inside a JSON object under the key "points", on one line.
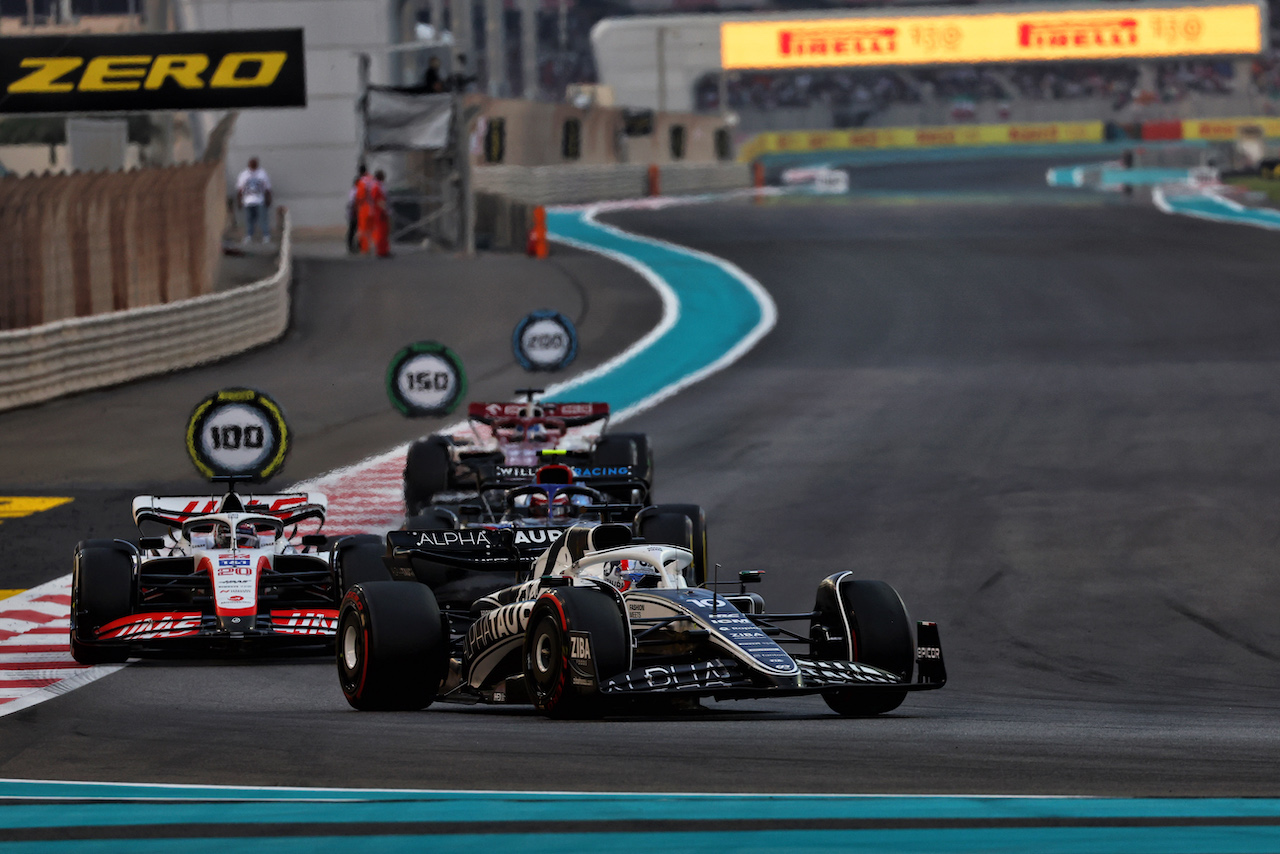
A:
{"points": [[426, 472], [359, 561], [101, 592], [393, 650], [683, 525], [866, 622], [550, 664]]}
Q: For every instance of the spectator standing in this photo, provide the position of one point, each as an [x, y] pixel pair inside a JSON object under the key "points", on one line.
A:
{"points": [[353, 219], [253, 193], [365, 209], [432, 81], [381, 216]]}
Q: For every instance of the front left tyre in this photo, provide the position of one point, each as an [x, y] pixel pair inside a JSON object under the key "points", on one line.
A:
{"points": [[866, 622], [577, 637], [101, 592], [392, 645]]}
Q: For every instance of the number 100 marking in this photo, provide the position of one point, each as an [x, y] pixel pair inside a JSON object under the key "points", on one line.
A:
{"points": [[231, 437]]}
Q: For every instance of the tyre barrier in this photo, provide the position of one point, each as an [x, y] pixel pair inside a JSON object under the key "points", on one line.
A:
{"points": [[45, 362]]}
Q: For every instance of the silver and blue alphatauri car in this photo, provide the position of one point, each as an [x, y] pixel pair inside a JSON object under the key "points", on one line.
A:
{"points": [[599, 621]]}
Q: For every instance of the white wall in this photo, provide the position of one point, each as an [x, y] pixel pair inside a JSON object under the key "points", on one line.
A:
{"points": [[310, 153]]}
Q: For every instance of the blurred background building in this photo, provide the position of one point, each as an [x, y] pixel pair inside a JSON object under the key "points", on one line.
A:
{"points": [[658, 54]]}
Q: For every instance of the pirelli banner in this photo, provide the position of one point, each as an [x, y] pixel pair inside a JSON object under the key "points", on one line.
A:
{"points": [[230, 69], [1127, 32]]}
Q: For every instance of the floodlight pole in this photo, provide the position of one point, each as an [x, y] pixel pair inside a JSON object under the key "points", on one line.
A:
{"points": [[661, 46], [495, 54], [529, 48]]}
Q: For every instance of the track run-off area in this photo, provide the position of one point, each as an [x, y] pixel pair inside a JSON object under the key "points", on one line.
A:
{"points": [[1046, 416]]}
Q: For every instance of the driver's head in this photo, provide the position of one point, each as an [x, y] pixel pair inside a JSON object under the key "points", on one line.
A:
{"points": [[631, 574], [543, 506], [246, 535]]}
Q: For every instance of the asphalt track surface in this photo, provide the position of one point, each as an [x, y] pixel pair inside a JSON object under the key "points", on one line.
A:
{"points": [[350, 316], [1048, 420]]}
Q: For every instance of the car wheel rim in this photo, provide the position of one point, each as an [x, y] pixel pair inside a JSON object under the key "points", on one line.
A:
{"points": [[542, 654], [350, 647]]}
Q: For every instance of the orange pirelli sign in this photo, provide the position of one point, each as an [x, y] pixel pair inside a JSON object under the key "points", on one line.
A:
{"points": [[1120, 33]]}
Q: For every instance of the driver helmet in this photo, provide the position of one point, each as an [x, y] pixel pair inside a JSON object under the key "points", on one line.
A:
{"points": [[246, 536], [537, 432], [628, 574], [543, 506]]}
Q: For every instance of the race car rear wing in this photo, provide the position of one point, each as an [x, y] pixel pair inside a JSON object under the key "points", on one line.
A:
{"points": [[175, 510], [471, 548], [572, 414]]}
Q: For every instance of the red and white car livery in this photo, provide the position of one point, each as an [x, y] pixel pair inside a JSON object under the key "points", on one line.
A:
{"points": [[230, 571], [503, 444]]}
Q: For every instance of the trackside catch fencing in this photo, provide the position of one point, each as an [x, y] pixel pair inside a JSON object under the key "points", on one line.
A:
{"points": [[91, 242], [76, 354]]}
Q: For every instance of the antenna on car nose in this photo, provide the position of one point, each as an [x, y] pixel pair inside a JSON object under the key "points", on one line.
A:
{"points": [[529, 393], [715, 583]]}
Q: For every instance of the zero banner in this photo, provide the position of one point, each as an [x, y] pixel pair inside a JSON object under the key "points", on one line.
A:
{"points": [[228, 69]]}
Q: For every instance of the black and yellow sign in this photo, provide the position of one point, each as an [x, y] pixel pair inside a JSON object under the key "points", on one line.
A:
{"points": [[229, 69], [239, 433]]}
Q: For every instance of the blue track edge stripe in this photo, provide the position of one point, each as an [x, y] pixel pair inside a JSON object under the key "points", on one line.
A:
{"points": [[713, 314], [1186, 840]]}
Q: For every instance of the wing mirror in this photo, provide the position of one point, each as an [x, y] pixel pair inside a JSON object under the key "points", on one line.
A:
{"points": [[317, 540], [150, 543]]}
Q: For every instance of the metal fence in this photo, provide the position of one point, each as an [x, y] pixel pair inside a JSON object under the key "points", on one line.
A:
{"points": [[87, 243]]}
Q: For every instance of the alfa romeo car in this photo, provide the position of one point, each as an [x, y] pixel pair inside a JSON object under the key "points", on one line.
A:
{"points": [[507, 442]]}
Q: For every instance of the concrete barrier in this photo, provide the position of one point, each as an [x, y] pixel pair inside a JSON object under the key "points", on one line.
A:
{"points": [[576, 184], [40, 363]]}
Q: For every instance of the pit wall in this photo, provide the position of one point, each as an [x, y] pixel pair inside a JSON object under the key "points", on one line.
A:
{"points": [[942, 136]]}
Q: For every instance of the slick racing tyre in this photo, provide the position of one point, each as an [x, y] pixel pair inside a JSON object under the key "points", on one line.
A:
{"points": [[101, 591], [426, 472], [577, 636], [683, 525], [358, 560], [866, 622], [393, 649]]}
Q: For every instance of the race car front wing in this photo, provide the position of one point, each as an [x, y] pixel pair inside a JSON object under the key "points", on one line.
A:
{"points": [[728, 678]]}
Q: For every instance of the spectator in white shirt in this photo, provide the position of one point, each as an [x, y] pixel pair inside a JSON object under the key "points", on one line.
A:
{"points": [[253, 192]]}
